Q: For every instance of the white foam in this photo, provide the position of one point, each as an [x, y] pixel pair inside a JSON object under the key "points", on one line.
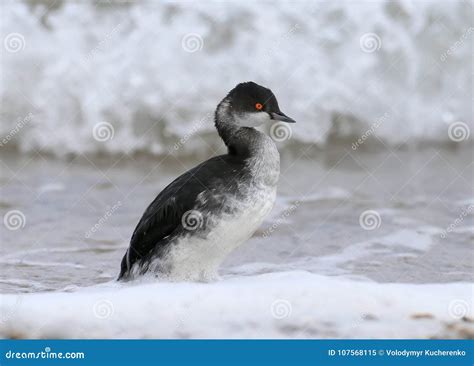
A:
{"points": [[418, 240], [23, 262], [292, 304], [126, 65], [51, 187]]}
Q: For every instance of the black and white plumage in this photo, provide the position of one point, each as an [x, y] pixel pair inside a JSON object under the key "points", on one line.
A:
{"points": [[204, 214]]}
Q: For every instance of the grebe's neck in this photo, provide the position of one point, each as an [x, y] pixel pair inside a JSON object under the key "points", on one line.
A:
{"points": [[256, 148]]}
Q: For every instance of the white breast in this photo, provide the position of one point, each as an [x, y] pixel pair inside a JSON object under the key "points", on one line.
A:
{"points": [[195, 258]]}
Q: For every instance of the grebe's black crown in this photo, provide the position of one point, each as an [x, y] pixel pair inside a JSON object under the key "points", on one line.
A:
{"points": [[249, 97]]}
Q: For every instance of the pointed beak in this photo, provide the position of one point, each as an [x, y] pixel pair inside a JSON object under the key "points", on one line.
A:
{"points": [[280, 116]]}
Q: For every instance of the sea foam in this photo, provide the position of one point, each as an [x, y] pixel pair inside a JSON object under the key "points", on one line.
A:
{"points": [[146, 77]]}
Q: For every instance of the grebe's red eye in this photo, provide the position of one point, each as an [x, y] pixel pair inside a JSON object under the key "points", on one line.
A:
{"points": [[258, 106]]}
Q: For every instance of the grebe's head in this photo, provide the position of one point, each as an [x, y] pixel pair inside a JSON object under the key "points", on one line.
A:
{"points": [[252, 105]]}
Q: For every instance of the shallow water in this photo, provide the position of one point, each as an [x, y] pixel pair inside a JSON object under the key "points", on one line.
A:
{"points": [[79, 215]]}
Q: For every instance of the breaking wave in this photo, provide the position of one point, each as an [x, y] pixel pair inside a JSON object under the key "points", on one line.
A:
{"points": [[146, 76]]}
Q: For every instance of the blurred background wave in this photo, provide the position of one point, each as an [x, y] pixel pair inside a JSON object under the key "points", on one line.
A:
{"points": [[147, 75]]}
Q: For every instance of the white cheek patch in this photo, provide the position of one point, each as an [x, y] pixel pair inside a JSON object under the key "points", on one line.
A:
{"points": [[252, 119]]}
